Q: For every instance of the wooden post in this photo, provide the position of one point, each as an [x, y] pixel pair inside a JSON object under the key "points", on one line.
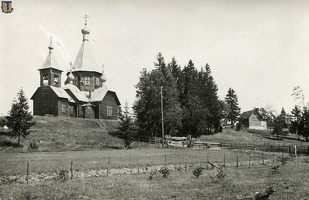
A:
{"points": [[186, 164], [207, 162], [237, 161], [108, 165], [295, 151], [27, 177], [273, 158], [71, 169], [223, 160], [137, 166], [165, 160]]}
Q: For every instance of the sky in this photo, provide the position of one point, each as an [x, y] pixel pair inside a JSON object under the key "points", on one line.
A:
{"points": [[258, 48]]}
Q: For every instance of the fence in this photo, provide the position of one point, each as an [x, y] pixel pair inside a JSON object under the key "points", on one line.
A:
{"points": [[118, 165]]}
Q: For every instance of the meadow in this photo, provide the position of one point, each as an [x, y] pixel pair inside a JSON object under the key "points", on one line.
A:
{"points": [[290, 182]]}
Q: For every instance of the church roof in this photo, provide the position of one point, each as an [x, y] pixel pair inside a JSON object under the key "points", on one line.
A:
{"points": [[99, 94], [50, 61], [76, 92], [85, 60], [60, 92]]}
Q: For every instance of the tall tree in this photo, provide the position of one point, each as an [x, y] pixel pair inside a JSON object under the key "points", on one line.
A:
{"points": [[147, 107], [126, 125], [296, 118], [233, 109], [19, 118]]}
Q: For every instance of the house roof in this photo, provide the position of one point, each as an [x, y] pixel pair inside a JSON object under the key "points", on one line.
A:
{"points": [[80, 96], [247, 114]]}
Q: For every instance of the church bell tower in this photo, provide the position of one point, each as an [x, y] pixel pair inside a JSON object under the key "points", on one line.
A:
{"points": [[50, 74]]}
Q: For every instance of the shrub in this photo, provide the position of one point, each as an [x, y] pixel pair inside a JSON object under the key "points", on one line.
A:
{"points": [[164, 171], [63, 175], [33, 146], [152, 173], [219, 176], [197, 171]]}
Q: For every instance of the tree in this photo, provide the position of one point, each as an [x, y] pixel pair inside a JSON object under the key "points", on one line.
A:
{"points": [[147, 106], [19, 118], [126, 125], [233, 109], [304, 124], [296, 118]]}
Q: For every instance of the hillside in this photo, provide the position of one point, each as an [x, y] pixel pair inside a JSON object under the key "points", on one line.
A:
{"points": [[64, 134]]}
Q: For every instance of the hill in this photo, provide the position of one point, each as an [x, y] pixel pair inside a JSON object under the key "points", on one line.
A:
{"points": [[64, 134]]}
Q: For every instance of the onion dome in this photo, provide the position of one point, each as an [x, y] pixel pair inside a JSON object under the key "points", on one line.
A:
{"points": [[70, 76], [85, 30], [103, 78]]}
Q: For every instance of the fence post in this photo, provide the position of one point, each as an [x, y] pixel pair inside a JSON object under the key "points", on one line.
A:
{"points": [[186, 164], [237, 161], [108, 165], [71, 169], [207, 162], [224, 160], [295, 151], [273, 158], [263, 157], [137, 166], [164, 159], [27, 177]]}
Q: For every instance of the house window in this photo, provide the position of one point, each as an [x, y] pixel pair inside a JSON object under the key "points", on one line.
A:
{"points": [[109, 111], [87, 80]]}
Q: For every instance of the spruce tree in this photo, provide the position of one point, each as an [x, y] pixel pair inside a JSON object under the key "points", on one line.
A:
{"points": [[126, 125], [19, 118], [232, 104]]}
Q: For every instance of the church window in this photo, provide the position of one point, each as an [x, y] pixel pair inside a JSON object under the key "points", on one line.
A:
{"points": [[109, 111], [45, 79], [87, 80], [56, 80], [97, 81], [63, 108]]}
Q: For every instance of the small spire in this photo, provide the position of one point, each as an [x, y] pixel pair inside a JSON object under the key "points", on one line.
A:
{"points": [[51, 44]]}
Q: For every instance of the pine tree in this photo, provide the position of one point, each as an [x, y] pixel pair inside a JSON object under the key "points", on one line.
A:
{"points": [[19, 118], [147, 107], [126, 125], [296, 118], [233, 109]]}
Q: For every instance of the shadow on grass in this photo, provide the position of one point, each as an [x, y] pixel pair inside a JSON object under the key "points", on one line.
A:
{"points": [[10, 144]]}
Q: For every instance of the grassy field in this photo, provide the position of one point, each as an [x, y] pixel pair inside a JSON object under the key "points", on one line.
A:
{"points": [[290, 183], [64, 134], [42, 162]]}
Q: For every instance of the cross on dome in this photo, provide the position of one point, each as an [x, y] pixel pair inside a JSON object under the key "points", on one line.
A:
{"points": [[86, 16]]}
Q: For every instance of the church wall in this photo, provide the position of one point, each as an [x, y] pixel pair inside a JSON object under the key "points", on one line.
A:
{"points": [[87, 81], [63, 107], [45, 102], [109, 107]]}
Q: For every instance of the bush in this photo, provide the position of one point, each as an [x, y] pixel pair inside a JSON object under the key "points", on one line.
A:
{"points": [[164, 171], [197, 171], [219, 176], [63, 175], [33, 146]]}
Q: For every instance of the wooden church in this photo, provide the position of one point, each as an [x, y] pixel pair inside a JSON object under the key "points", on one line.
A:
{"points": [[84, 95]]}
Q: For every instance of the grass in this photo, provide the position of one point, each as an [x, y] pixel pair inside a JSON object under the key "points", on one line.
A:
{"points": [[64, 134], [290, 183], [243, 137], [46, 162]]}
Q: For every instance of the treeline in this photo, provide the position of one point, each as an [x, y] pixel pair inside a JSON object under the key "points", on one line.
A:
{"points": [[191, 105]]}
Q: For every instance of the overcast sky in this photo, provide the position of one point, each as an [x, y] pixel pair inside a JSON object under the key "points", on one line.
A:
{"points": [[259, 48]]}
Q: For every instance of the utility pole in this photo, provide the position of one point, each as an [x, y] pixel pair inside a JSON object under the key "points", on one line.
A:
{"points": [[162, 116]]}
